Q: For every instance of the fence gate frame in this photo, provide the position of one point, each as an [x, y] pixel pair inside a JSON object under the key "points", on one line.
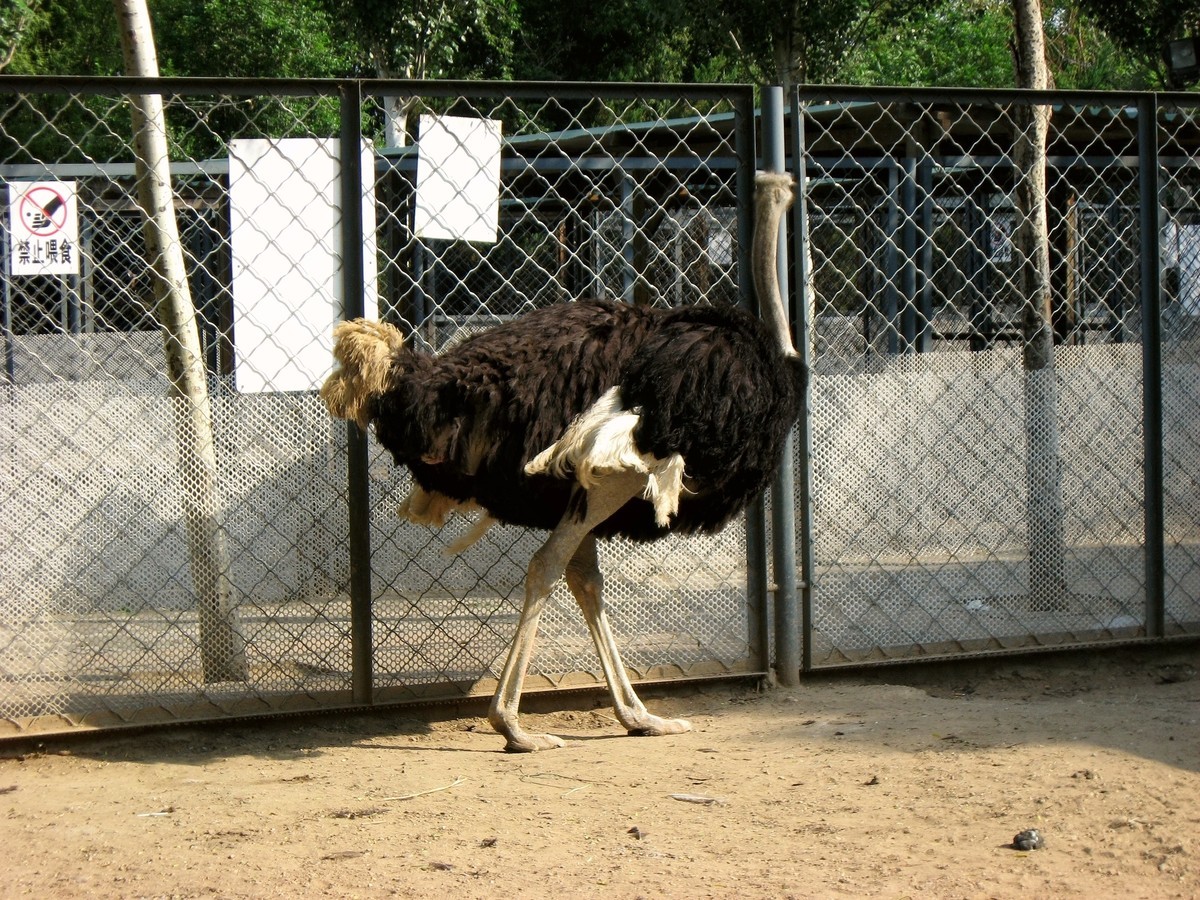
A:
{"points": [[658, 115], [1149, 111]]}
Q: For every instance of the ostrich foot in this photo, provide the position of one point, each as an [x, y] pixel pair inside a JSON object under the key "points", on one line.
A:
{"points": [[653, 726], [520, 742]]}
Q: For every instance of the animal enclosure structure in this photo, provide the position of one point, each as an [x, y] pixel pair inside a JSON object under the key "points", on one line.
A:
{"points": [[910, 514]]}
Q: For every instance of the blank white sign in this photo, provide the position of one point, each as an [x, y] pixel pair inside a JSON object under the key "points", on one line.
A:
{"points": [[285, 212], [458, 179]]}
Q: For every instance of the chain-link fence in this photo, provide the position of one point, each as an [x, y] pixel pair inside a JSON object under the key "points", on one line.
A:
{"points": [[962, 499], [628, 193], [948, 500]]}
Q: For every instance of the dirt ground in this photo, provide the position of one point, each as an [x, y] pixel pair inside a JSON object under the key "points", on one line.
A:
{"points": [[899, 782]]}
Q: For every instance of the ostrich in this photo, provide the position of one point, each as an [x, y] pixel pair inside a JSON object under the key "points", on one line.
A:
{"points": [[586, 419]]}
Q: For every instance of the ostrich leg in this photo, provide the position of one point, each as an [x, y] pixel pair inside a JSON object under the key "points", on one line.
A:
{"points": [[546, 567], [586, 583]]}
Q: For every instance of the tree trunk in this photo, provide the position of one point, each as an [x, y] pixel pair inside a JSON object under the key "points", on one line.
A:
{"points": [[397, 109], [395, 121], [1031, 239], [222, 648]]}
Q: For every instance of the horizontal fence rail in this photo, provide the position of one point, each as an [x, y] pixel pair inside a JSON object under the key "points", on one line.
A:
{"points": [[947, 499]]}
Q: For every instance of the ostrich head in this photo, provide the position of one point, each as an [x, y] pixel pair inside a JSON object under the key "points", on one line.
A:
{"points": [[364, 351]]}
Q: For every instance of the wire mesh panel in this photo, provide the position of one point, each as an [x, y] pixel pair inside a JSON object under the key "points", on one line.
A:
{"points": [[620, 197], [1180, 251], [964, 499], [628, 195], [679, 607], [101, 623]]}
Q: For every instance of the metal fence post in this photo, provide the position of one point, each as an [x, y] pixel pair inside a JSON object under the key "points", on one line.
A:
{"points": [[803, 312], [757, 588], [783, 524], [1152, 400], [358, 484], [6, 310]]}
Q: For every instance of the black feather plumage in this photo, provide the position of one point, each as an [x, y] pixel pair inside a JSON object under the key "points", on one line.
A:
{"points": [[710, 384]]}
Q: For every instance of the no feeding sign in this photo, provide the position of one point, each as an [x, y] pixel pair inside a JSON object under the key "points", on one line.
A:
{"points": [[43, 223]]}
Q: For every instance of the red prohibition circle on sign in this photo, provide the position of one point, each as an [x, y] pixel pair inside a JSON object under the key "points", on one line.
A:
{"points": [[43, 211]]}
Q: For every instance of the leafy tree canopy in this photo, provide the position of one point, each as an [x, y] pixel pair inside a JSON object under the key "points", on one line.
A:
{"points": [[253, 38], [634, 40], [15, 16], [1091, 43], [797, 41], [927, 49], [1143, 28], [429, 38], [245, 38]]}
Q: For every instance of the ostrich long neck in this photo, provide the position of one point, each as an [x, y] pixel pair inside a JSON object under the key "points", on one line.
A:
{"points": [[772, 197]]}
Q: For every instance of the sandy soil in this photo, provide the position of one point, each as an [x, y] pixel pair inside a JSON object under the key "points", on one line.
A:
{"points": [[891, 783]]}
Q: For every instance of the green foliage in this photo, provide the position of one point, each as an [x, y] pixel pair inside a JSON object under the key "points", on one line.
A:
{"points": [[1091, 43], [1142, 29], [245, 38], [795, 41], [429, 38], [252, 38], [628, 40], [965, 43], [249, 38], [15, 16], [1083, 56], [67, 37], [952, 44]]}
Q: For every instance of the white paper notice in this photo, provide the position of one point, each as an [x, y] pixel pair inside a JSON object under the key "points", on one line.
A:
{"points": [[285, 217], [458, 179]]}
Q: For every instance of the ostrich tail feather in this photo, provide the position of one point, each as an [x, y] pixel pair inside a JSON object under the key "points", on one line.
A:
{"points": [[599, 443], [365, 352]]}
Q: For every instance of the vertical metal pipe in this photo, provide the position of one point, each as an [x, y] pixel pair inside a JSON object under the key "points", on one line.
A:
{"points": [[6, 308], [783, 491], [629, 226], [1152, 412], [908, 249], [419, 313], [891, 273], [975, 224], [71, 299], [756, 516], [1111, 293], [925, 253], [358, 484], [804, 313]]}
